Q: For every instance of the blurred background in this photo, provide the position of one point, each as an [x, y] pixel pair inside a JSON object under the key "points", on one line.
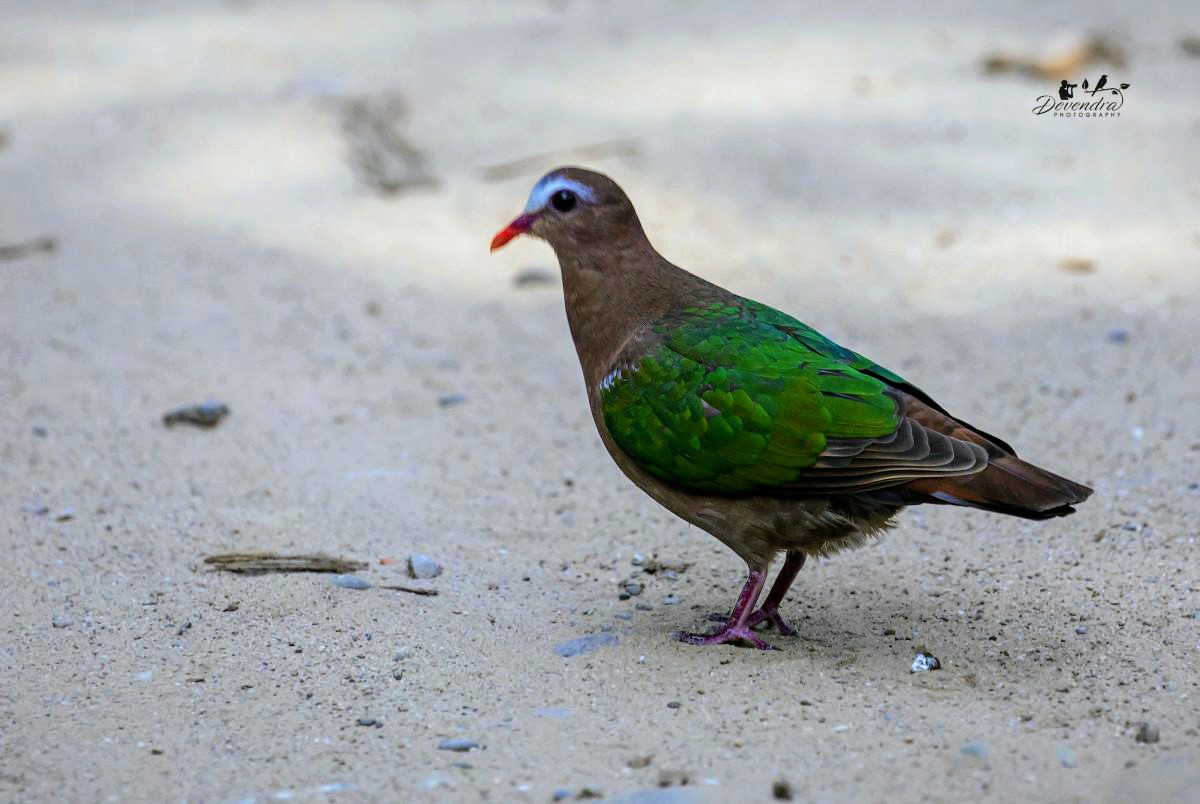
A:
{"points": [[287, 206]]}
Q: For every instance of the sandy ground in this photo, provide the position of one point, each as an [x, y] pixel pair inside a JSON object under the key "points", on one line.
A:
{"points": [[195, 163]]}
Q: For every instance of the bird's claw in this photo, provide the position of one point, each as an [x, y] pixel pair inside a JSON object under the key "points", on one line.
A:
{"points": [[771, 616], [730, 633]]}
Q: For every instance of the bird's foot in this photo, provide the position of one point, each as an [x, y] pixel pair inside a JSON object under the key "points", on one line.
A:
{"points": [[771, 616], [722, 636]]}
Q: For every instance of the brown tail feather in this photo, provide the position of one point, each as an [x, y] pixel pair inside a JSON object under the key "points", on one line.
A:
{"points": [[1008, 485]]}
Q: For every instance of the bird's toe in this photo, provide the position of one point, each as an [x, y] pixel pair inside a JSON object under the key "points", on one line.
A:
{"points": [[731, 634], [771, 616]]}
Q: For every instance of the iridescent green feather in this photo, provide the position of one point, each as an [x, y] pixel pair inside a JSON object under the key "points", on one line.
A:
{"points": [[738, 396]]}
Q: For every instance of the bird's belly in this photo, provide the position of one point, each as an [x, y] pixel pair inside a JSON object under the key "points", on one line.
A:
{"points": [[759, 527]]}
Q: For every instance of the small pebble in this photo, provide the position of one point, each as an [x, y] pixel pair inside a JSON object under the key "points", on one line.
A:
{"points": [[401, 654], [673, 778], [782, 790], [65, 515], [1147, 733], [39, 431], [585, 644], [633, 589], [670, 600], [974, 749], [206, 414], [423, 567], [369, 721], [451, 400], [924, 662], [458, 744], [638, 560], [644, 607], [624, 615], [534, 276], [561, 794], [1081, 629], [673, 704], [61, 621], [349, 582], [1066, 757], [1118, 336]]}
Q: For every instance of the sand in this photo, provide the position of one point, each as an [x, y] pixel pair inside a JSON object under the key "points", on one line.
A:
{"points": [[223, 229]]}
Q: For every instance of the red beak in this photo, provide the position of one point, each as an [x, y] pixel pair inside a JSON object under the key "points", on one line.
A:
{"points": [[520, 225]]}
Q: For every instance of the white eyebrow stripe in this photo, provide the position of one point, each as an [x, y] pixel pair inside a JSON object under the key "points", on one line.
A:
{"points": [[551, 185]]}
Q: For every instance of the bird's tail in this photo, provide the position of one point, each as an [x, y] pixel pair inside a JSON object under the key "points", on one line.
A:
{"points": [[1008, 485]]}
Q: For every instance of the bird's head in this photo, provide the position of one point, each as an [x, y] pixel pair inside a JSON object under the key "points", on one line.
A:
{"points": [[573, 208]]}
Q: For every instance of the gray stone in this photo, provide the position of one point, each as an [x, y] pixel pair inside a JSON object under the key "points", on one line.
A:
{"points": [[974, 749], [585, 644], [533, 276], [61, 621], [349, 582], [206, 414], [423, 567], [458, 744], [924, 662]]}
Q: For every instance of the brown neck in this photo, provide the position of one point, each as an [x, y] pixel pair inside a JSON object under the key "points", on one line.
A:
{"points": [[613, 291]]}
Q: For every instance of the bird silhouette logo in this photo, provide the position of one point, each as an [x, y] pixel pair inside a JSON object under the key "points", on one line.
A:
{"points": [[1102, 99]]}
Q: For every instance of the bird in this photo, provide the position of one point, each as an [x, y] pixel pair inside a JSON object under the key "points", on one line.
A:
{"points": [[747, 423]]}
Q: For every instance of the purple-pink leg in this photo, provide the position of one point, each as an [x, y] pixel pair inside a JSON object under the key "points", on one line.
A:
{"points": [[769, 612], [735, 629]]}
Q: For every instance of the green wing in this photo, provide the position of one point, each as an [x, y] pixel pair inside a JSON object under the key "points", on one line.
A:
{"points": [[735, 396]]}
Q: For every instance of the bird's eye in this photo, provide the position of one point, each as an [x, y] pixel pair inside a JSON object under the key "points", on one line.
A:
{"points": [[563, 200]]}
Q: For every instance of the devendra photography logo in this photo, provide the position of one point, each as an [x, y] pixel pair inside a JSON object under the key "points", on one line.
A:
{"points": [[1109, 104]]}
